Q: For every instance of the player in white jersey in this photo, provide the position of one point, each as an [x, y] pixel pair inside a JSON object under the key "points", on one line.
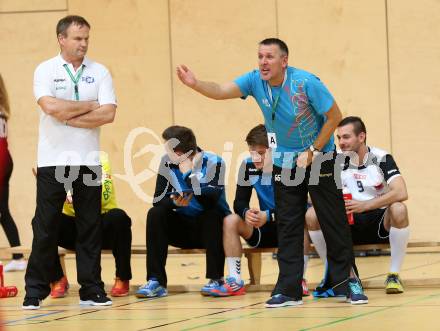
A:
{"points": [[378, 191]]}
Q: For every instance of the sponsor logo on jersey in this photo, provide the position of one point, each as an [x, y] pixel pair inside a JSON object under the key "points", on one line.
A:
{"points": [[57, 80], [265, 102], [88, 79], [359, 176], [392, 171]]}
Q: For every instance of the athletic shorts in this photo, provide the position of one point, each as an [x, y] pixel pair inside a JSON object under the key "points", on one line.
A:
{"points": [[368, 228], [264, 237]]}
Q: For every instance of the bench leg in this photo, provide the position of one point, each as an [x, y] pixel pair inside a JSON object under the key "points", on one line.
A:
{"points": [[254, 265]]}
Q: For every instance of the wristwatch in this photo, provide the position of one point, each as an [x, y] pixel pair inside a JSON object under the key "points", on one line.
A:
{"points": [[314, 150]]}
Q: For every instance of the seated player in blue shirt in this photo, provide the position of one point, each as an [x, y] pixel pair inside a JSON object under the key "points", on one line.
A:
{"points": [[185, 219], [255, 225]]}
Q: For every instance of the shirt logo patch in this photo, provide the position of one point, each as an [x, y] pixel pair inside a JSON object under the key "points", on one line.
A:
{"points": [[88, 79], [265, 102]]}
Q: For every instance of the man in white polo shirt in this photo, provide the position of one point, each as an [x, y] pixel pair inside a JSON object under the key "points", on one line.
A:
{"points": [[76, 97]]}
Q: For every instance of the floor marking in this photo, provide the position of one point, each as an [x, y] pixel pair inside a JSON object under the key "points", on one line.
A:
{"points": [[405, 269], [197, 317], [370, 312], [223, 321], [32, 317]]}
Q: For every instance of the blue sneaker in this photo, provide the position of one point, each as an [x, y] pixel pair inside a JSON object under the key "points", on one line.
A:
{"points": [[280, 300], [322, 291], [212, 286], [229, 288], [151, 289], [355, 293]]}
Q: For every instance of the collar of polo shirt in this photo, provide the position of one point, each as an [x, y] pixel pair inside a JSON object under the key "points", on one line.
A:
{"points": [[86, 61]]}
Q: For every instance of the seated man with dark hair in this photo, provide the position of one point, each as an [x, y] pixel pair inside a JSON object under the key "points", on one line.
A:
{"points": [[255, 225], [116, 235], [188, 210], [378, 190]]}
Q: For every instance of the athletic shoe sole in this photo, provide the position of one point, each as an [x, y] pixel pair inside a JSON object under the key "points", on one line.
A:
{"points": [[118, 295], [59, 296], [152, 295], [30, 307], [358, 302], [284, 304], [93, 303], [393, 291], [228, 294]]}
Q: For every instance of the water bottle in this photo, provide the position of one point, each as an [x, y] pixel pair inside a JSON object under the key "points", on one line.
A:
{"points": [[347, 196]]}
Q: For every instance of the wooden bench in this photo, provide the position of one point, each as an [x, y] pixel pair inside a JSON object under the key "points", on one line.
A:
{"points": [[254, 257]]}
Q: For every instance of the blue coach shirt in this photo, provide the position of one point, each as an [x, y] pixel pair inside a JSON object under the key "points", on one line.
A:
{"points": [[300, 113]]}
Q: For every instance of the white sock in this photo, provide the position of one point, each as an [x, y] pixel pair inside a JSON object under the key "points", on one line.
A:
{"points": [[398, 243], [319, 242], [306, 260], [234, 267]]}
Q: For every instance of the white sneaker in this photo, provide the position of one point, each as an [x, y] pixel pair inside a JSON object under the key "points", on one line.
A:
{"points": [[15, 265]]}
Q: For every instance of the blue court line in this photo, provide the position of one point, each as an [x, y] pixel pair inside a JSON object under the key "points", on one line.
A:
{"points": [[33, 317]]}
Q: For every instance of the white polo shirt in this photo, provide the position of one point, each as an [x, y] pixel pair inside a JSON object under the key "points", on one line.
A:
{"points": [[58, 143]]}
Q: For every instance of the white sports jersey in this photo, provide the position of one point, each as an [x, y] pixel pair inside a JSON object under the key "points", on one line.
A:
{"points": [[370, 180]]}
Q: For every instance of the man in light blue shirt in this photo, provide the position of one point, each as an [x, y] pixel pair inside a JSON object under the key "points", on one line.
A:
{"points": [[300, 116]]}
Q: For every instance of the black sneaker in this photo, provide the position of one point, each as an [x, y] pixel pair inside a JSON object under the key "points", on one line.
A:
{"points": [[31, 303], [95, 300], [280, 300]]}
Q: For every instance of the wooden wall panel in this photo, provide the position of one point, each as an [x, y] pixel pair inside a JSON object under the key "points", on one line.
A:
{"points": [[344, 43], [415, 100], [132, 40], [7, 6], [26, 39]]}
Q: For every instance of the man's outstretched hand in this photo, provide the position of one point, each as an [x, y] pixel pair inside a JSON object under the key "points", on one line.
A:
{"points": [[186, 76]]}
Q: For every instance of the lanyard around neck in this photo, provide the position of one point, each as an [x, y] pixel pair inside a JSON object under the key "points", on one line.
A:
{"points": [[75, 79], [275, 102]]}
